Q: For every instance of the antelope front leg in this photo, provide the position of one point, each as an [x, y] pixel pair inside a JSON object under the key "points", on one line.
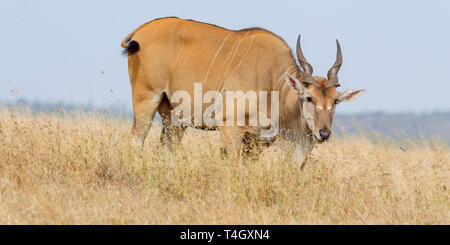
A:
{"points": [[302, 152], [303, 162], [231, 140]]}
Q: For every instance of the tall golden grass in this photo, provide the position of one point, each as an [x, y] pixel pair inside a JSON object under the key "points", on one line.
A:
{"points": [[82, 169]]}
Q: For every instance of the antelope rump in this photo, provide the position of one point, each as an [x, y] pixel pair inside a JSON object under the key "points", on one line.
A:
{"points": [[170, 54]]}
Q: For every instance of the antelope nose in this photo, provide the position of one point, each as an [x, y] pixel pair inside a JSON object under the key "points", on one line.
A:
{"points": [[324, 133]]}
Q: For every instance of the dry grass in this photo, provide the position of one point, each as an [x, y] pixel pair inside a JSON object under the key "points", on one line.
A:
{"points": [[84, 170]]}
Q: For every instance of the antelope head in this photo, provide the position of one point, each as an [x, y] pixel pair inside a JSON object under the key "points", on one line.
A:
{"points": [[318, 96]]}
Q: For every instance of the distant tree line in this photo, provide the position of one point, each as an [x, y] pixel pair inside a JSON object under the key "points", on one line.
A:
{"points": [[397, 125]]}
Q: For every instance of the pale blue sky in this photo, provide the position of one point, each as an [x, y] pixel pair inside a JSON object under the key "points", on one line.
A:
{"points": [[398, 50]]}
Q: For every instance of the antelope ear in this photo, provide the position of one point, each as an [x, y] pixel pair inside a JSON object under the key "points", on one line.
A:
{"points": [[294, 84], [350, 94]]}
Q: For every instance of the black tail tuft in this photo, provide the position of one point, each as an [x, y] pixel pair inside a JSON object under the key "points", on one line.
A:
{"points": [[132, 48]]}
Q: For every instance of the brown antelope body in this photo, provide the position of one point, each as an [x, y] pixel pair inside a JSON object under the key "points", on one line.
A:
{"points": [[171, 54]]}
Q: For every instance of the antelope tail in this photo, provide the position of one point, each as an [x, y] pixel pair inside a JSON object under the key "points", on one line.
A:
{"points": [[130, 46]]}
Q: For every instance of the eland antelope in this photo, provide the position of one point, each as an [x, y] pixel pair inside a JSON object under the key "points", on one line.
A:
{"points": [[170, 54]]}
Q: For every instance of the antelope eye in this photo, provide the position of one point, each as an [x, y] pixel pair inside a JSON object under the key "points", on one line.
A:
{"points": [[309, 99]]}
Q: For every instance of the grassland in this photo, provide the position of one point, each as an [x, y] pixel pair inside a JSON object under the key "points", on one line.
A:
{"points": [[82, 169]]}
